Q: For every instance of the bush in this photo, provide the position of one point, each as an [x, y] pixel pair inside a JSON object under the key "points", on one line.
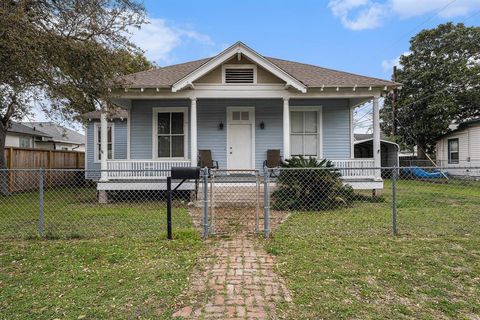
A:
{"points": [[313, 185]]}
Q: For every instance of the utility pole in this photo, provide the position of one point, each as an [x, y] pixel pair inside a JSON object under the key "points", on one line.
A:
{"points": [[394, 103]]}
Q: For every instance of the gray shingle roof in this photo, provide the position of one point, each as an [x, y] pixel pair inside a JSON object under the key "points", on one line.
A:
{"points": [[57, 132], [17, 127], [309, 75]]}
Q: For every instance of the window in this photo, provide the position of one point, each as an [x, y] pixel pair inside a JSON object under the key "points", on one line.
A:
{"points": [[240, 73], [98, 139], [241, 115], [304, 133], [24, 142], [171, 134], [453, 151]]}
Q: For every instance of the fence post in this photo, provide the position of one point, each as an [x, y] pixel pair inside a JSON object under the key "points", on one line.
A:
{"points": [[394, 201], [41, 177], [266, 204], [205, 202], [169, 208]]}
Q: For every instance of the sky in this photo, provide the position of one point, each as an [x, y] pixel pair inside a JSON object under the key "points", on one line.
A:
{"points": [[359, 36]]}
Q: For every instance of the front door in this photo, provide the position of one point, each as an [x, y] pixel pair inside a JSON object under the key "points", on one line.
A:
{"points": [[240, 138]]}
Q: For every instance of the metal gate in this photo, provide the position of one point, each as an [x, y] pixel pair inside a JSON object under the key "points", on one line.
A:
{"points": [[235, 200]]}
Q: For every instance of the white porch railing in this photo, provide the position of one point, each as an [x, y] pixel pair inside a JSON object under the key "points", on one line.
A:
{"points": [[142, 169], [355, 168]]}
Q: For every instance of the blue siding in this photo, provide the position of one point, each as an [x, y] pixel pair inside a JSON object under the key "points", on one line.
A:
{"points": [[142, 125], [335, 125], [120, 146], [210, 112]]}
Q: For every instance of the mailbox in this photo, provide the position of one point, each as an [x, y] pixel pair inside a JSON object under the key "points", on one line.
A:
{"points": [[183, 173]]}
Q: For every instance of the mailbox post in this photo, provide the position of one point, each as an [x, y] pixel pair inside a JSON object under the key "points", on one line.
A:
{"points": [[178, 173]]}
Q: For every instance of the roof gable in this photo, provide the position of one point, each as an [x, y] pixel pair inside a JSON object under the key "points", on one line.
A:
{"points": [[227, 54]]}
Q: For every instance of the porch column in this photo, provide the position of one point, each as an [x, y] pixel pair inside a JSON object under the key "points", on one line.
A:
{"points": [[193, 130], [376, 138], [103, 145], [286, 128]]}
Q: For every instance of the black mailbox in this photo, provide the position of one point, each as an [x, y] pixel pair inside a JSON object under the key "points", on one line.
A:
{"points": [[182, 173]]}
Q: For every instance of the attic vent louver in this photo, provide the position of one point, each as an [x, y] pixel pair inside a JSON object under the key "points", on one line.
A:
{"points": [[239, 75]]}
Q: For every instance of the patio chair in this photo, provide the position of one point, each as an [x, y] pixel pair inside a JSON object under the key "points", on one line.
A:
{"points": [[274, 160], [205, 159]]}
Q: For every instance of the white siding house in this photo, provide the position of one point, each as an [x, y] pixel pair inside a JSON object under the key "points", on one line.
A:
{"points": [[459, 151]]}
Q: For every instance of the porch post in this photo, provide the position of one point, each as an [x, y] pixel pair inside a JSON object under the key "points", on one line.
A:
{"points": [[286, 128], [103, 145], [376, 138], [193, 129]]}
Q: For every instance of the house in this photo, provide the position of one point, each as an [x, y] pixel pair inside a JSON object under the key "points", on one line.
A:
{"points": [[363, 148], [458, 151], [238, 104], [59, 137], [22, 136]]}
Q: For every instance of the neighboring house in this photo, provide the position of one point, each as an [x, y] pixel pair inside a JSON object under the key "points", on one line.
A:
{"points": [[238, 104], [22, 136], [363, 148], [60, 138], [460, 148]]}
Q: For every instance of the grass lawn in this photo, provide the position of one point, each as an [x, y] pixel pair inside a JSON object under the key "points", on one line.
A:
{"points": [[98, 261], [346, 264], [75, 213]]}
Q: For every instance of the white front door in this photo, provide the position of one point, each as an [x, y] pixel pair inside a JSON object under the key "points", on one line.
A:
{"points": [[240, 138]]}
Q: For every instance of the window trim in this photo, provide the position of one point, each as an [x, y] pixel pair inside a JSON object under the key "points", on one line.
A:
{"points": [[96, 127], [450, 152], [155, 112], [319, 110], [239, 66]]}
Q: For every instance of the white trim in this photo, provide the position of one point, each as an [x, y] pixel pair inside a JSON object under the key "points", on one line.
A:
{"points": [[129, 111], [228, 54], [96, 125], [352, 133], [270, 91], [251, 121], [157, 110], [377, 150], [286, 128], [193, 132], [239, 66], [319, 110]]}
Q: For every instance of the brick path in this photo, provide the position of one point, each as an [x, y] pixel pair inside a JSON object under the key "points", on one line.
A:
{"points": [[236, 281]]}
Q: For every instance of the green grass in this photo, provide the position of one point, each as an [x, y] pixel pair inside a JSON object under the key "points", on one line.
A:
{"points": [[96, 261], [76, 213], [345, 263]]}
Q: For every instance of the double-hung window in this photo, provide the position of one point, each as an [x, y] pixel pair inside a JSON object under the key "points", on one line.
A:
{"points": [[304, 133], [171, 134], [453, 151], [98, 140]]}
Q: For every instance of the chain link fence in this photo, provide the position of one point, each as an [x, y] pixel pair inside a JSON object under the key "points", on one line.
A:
{"points": [[407, 201]]}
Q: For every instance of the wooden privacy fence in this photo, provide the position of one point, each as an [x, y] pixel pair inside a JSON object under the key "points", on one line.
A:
{"points": [[27, 158]]}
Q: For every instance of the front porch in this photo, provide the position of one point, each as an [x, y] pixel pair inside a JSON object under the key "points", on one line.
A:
{"points": [[123, 175]]}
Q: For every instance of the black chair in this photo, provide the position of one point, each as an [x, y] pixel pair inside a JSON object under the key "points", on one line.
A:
{"points": [[205, 159]]}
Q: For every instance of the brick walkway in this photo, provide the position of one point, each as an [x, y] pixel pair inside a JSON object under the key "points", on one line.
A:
{"points": [[236, 281]]}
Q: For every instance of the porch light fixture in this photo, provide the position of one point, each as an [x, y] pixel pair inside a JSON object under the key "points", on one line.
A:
{"points": [[220, 126], [262, 125]]}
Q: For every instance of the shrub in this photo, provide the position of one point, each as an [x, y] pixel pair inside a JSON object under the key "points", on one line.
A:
{"points": [[309, 184]]}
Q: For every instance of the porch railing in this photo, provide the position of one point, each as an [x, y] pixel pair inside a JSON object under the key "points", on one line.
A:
{"points": [[142, 169], [355, 168]]}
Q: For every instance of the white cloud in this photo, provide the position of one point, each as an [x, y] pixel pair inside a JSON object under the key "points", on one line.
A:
{"points": [[369, 14], [159, 39]]}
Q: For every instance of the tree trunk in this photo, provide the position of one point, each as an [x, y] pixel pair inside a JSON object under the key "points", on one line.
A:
{"points": [[3, 162], [421, 155]]}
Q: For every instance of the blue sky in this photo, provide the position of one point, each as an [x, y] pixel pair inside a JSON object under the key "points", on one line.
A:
{"points": [[360, 36]]}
